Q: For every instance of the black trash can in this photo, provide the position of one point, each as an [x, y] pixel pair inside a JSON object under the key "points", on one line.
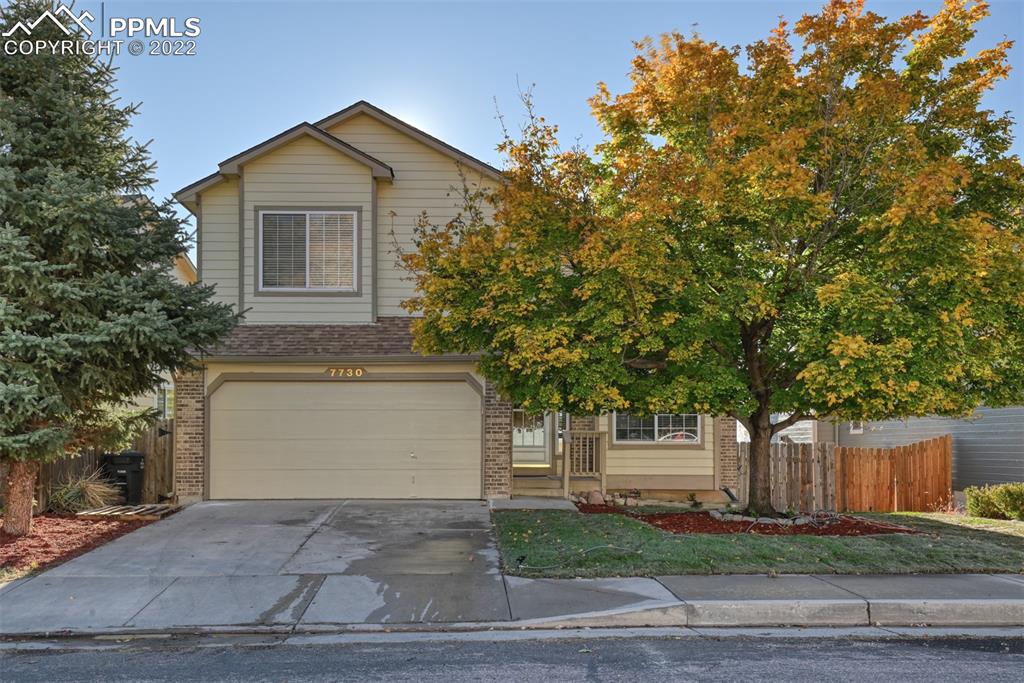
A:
{"points": [[124, 470]]}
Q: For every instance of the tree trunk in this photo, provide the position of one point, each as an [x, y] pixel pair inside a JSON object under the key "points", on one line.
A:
{"points": [[19, 487], [760, 487]]}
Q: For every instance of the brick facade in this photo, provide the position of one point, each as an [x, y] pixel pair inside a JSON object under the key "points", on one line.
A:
{"points": [[189, 436], [726, 455], [497, 445]]}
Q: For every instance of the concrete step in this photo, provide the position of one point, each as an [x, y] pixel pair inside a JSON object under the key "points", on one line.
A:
{"points": [[537, 482], [536, 493]]}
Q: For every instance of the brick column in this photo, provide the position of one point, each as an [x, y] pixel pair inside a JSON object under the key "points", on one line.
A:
{"points": [[726, 456], [497, 445], [189, 436]]}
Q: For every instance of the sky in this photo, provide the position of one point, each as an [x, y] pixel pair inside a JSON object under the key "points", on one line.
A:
{"points": [[262, 67]]}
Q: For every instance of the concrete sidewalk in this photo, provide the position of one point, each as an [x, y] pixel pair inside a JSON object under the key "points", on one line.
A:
{"points": [[342, 566], [742, 601]]}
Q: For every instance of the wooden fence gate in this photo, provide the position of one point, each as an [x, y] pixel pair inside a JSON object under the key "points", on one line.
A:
{"points": [[810, 477], [158, 477]]}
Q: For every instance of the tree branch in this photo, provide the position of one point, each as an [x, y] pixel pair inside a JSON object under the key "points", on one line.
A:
{"points": [[788, 422]]}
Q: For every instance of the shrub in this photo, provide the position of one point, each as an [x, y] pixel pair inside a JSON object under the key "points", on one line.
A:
{"points": [[83, 492], [981, 502], [1009, 498]]}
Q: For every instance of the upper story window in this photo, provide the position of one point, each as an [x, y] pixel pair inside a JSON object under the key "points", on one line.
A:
{"points": [[308, 250], [661, 428]]}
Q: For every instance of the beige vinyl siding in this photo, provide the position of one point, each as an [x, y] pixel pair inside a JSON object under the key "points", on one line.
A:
{"points": [[662, 460], [219, 240], [306, 174], [425, 180]]}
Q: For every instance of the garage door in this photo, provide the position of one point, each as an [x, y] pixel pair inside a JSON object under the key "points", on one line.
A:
{"points": [[356, 439]]}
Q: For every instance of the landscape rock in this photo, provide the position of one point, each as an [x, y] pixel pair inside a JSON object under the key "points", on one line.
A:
{"points": [[799, 521], [595, 498], [716, 514]]}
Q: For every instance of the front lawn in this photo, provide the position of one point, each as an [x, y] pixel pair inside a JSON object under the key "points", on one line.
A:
{"points": [[554, 543]]}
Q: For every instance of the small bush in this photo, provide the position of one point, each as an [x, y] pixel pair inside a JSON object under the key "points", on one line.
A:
{"points": [[1000, 501], [980, 502], [694, 503], [83, 492], [1009, 499]]}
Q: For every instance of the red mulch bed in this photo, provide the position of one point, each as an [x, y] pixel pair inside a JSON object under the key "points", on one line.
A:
{"points": [[703, 523], [58, 538]]}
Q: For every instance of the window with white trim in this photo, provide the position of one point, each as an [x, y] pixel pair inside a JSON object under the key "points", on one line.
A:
{"points": [[660, 428], [308, 250], [857, 427], [164, 401]]}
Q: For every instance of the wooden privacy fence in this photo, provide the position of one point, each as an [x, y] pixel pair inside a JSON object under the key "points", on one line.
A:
{"points": [[918, 476], [802, 476], [158, 477], [809, 477]]}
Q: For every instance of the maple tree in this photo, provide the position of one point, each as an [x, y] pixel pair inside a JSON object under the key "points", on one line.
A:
{"points": [[831, 228]]}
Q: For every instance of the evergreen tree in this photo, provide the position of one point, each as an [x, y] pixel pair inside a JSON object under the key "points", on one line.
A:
{"points": [[90, 313]]}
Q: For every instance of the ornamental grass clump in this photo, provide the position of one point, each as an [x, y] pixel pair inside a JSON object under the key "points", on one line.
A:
{"points": [[83, 492]]}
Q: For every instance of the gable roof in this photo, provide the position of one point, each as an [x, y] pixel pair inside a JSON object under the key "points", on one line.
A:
{"points": [[364, 107], [231, 165], [188, 195]]}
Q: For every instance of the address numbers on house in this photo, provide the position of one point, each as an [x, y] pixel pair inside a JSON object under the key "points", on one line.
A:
{"points": [[344, 373]]}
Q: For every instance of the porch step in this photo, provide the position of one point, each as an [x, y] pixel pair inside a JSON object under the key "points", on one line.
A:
{"points": [[519, 492], [549, 486], [537, 481]]}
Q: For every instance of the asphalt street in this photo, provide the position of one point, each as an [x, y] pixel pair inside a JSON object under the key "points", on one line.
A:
{"points": [[524, 661]]}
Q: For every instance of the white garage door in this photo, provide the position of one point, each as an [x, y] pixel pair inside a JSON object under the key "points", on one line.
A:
{"points": [[345, 439]]}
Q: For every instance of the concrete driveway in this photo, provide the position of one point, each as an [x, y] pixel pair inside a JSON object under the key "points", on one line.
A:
{"points": [[273, 563]]}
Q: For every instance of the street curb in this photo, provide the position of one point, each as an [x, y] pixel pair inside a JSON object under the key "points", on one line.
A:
{"points": [[968, 613], [950, 612], [383, 637]]}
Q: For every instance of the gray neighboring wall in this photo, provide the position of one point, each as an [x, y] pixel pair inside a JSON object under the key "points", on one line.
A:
{"points": [[804, 431], [987, 448]]}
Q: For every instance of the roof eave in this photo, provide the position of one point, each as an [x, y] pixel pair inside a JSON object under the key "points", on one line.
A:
{"points": [[364, 107], [232, 165]]}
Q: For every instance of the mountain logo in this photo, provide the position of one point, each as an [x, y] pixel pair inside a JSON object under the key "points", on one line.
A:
{"points": [[66, 26]]}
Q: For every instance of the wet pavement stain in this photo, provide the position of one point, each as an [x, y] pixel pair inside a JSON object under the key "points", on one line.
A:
{"points": [[298, 598]]}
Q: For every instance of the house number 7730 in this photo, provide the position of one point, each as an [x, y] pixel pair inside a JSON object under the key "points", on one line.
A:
{"points": [[344, 373]]}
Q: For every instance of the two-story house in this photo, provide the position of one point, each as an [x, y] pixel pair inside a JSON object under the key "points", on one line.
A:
{"points": [[318, 393]]}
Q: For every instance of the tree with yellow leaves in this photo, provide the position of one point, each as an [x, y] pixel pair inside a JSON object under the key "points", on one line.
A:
{"points": [[829, 231]]}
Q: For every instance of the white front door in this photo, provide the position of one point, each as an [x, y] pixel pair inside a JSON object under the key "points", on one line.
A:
{"points": [[530, 442]]}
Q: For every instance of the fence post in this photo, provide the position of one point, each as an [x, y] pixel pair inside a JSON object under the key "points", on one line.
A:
{"points": [[840, 480]]}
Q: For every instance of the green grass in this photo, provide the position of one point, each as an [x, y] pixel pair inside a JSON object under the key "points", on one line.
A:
{"points": [[554, 544]]}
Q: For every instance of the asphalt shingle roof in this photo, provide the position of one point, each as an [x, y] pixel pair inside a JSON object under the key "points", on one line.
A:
{"points": [[389, 336]]}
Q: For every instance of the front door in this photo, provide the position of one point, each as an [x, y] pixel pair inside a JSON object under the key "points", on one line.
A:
{"points": [[530, 443]]}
